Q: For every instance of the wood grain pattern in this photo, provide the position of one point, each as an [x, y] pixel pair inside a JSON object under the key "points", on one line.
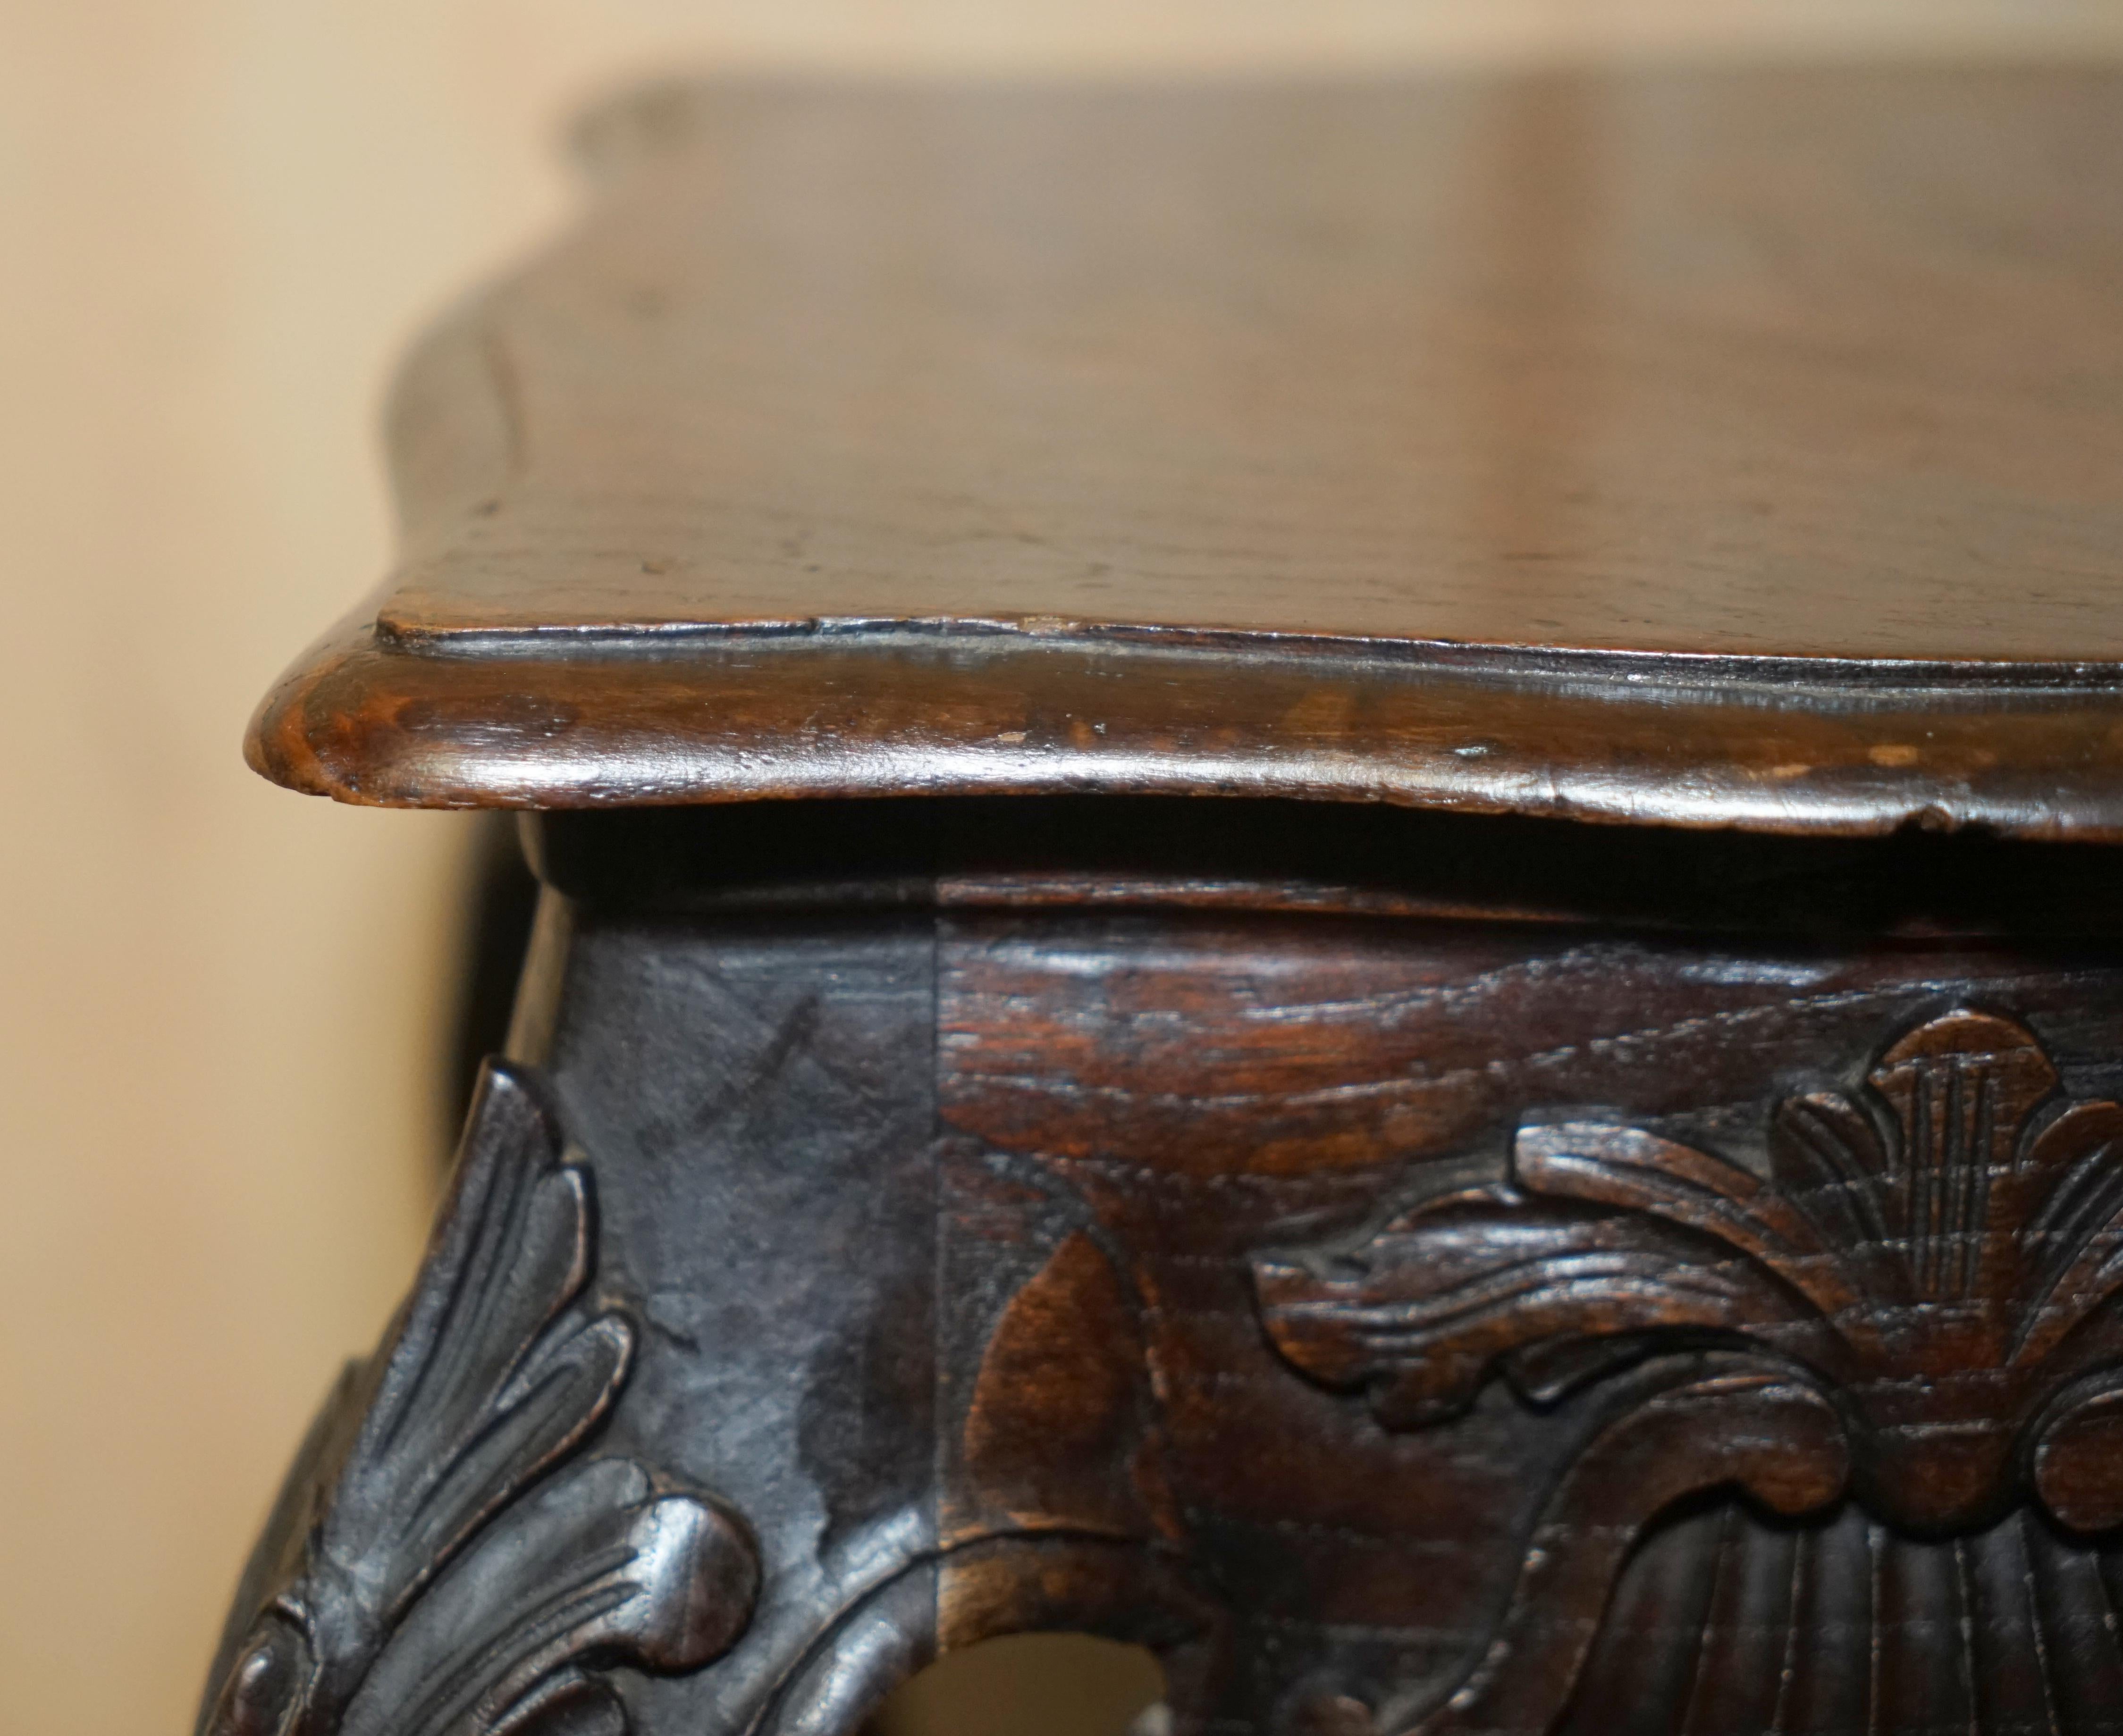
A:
{"points": [[1402, 1324], [1916, 1304], [1712, 450], [1420, 1271], [1933, 1185], [1223, 1104]]}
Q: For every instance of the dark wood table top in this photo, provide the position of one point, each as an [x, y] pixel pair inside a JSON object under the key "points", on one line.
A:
{"points": [[1696, 447]]}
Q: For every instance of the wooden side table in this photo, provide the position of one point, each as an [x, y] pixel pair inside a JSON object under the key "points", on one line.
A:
{"points": [[1583, 1191]]}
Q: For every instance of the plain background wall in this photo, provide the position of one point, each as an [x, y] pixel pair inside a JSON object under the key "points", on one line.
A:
{"points": [[221, 1007]]}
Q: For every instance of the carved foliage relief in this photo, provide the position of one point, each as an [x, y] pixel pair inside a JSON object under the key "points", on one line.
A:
{"points": [[1911, 1306], [441, 1562]]}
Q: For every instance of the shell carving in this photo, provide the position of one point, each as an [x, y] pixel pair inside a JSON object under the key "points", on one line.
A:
{"points": [[442, 1563], [1911, 1306], [1934, 1255]]}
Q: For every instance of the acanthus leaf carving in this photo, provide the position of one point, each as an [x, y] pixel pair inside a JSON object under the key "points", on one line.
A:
{"points": [[1937, 1258], [1920, 1286], [430, 1569]]}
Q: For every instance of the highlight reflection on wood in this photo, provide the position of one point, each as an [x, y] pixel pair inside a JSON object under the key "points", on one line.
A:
{"points": [[1414, 1272], [1458, 443]]}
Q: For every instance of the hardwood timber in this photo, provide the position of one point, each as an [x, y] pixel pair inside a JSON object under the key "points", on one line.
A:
{"points": [[1418, 1262], [1703, 448], [1219, 1280]]}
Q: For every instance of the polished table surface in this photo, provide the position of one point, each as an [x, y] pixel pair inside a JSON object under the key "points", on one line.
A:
{"points": [[1708, 448], [1422, 1272]]}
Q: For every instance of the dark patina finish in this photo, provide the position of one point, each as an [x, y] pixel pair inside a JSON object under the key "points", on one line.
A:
{"points": [[1421, 1262]]}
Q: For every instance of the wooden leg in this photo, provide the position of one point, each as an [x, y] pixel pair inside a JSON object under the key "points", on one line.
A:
{"points": [[1396, 1327]]}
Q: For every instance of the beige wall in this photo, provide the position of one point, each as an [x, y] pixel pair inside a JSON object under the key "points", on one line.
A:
{"points": [[219, 1004]]}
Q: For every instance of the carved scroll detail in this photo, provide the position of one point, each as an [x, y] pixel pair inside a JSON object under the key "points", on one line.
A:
{"points": [[1920, 1285], [427, 1570]]}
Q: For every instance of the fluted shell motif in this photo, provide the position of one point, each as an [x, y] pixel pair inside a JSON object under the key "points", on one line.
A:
{"points": [[1905, 1338], [1939, 1252], [1724, 1624], [443, 1561]]}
